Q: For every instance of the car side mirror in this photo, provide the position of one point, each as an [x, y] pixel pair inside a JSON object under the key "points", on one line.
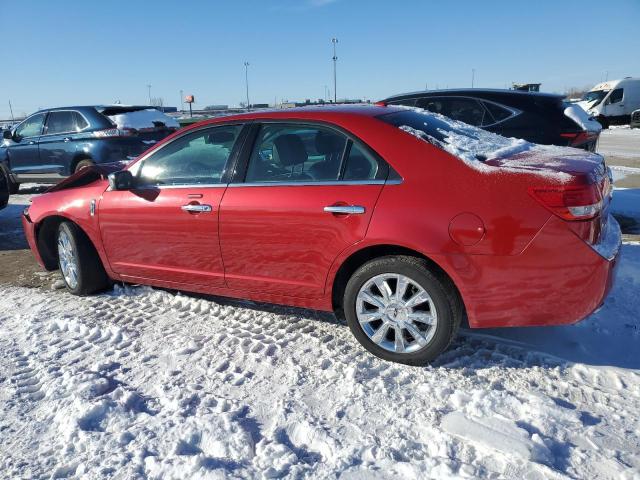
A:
{"points": [[7, 135], [122, 180]]}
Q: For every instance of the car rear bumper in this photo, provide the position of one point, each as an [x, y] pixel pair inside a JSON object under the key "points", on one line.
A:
{"points": [[30, 234], [558, 279]]}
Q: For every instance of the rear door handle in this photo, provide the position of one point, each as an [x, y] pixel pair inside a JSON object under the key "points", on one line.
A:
{"points": [[345, 209], [66, 139], [197, 208]]}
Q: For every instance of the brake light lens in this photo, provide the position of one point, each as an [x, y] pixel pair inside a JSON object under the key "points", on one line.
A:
{"points": [[579, 138], [115, 132], [570, 203]]}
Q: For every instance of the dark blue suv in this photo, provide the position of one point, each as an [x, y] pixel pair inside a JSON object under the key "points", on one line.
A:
{"points": [[54, 143]]}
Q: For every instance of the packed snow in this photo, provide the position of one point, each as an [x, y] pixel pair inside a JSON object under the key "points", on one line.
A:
{"points": [[143, 383], [476, 146], [141, 119], [582, 118]]}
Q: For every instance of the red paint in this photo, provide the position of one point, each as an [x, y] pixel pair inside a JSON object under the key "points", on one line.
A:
{"points": [[514, 261]]}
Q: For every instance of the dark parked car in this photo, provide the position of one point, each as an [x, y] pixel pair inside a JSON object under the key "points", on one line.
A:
{"points": [[543, 118], [52, 144]]}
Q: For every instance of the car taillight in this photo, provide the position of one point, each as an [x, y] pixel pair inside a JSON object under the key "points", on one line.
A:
{"points": [[115, 132], [578, 138], [570, 203]]}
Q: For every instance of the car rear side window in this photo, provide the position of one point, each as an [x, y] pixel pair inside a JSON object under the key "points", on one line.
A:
{"points": [[292, 153], [81, 123], [194, 159], [467, 110], [497, 112], [31, 127], [60, 122], [360, 165]]}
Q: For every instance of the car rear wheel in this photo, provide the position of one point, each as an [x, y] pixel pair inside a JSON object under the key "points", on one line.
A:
{"points": [[401, 311], [83, 164], [79, 262]]}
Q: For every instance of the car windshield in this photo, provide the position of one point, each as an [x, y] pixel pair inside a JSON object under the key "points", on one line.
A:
{"points": [[469, 143], [595, 96]]}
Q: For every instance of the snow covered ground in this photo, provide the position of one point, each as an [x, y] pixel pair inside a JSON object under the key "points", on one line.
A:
{"points": [[143, 383], [620, 142]]}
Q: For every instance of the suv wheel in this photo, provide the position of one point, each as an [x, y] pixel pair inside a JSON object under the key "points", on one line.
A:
{"points": [[79, 262], [83, 164], [400, 311]]}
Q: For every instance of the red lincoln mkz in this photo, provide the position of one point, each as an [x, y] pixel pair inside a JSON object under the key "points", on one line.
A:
{"points": [[404, 221]]}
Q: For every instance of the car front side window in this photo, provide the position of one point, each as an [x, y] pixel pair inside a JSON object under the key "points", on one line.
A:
{"points": [[31, 127], [616, 96], [197, 158]]}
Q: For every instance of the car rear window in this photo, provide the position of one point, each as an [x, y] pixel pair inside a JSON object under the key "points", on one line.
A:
{"points": [[470, 144]]}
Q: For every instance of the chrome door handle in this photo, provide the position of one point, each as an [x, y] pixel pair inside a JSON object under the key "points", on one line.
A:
{"points": [[345, 209], [197, 208], [66, 139]]}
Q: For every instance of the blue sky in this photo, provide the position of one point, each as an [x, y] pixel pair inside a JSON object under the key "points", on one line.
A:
{"points": [[90, 52]]}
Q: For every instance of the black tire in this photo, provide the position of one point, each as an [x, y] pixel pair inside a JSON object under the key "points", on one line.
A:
{"points": [[5, 188], [83, 164], [447, 304], [13, 187], [604, 122], [91, 276]]}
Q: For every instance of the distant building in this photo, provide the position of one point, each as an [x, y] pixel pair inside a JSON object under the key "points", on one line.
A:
{"points": [[526, 87], [216, 107], [259, 105]]}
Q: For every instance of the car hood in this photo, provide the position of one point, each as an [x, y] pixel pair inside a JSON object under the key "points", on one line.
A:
{"points": [[86, 176]]}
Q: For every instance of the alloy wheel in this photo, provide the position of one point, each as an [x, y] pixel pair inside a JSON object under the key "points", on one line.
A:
{"points": [[396, 313], [68, 259]]}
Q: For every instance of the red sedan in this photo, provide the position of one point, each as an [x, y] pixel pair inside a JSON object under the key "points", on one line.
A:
{"points": [[401, 220]]}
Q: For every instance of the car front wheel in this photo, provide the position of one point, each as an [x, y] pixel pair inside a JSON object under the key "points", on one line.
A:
{"points": [[400, 310], [79, 262]]}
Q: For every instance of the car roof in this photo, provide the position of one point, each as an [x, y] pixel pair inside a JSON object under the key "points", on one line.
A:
{"points": [[473, 92], [99, 108], [315, 112]]}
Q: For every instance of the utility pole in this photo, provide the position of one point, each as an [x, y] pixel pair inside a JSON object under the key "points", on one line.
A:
{"points": [[473, 76], [335, 61], [181, 101], [246, 80], [11, 110], [149, 88]]}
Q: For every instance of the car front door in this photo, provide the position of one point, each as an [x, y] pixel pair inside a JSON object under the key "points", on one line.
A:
{"points": [[24, 157], [164, 230], [614, 103], [308, 193]]}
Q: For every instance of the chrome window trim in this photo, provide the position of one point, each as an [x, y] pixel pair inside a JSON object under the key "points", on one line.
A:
{"points": [[514, 111], [69, 131], [15, 129], [173, 187], [331, 183]]}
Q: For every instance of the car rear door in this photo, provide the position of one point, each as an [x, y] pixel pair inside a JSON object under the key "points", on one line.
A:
{"points": [[165, 229], [307, 194], [24, 157], [59, 141]]}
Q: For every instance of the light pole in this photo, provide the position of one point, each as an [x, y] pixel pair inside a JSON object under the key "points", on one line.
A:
{"points": [[246, 81], [335, 61], [149, 88], [473, 76], [181, 101]]}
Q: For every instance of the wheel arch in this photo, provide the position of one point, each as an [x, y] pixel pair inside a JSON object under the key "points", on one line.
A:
{"points": [[358, 258], [46, 240]]}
